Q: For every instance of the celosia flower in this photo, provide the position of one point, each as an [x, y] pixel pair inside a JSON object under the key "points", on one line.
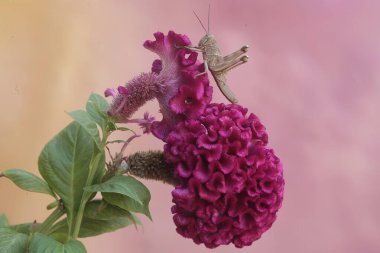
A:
{"points": [[145, 123], [230, 184], [181, 95]]}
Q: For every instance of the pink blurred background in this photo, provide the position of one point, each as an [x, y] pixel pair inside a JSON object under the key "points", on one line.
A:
{"points": [[313, 79]]}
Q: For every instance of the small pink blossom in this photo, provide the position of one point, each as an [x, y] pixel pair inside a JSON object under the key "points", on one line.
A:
{"points": [[156, 66], [122, 90], [145, 123], [110, 92]]}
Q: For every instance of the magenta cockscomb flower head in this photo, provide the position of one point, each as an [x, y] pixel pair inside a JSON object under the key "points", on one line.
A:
{"points": [[181, 95], [230, 184]]}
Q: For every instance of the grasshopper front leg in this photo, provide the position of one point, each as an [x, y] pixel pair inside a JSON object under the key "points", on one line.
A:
{"points": [[195, 49], [205, 71]]}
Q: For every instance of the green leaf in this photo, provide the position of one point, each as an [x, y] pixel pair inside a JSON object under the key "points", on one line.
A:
{"points": [[111, 125], [116, 141], [125, 185], [99, 217], [3, 221], [27, 181], [91, 227], [12, 241], [43, 244], [97, 108], [64, 163], [87, 122], [24, 228], [52, 205], [127, 203], [61, 236], [123, 129], [100, 210]]}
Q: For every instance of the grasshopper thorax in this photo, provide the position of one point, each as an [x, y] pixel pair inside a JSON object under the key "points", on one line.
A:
{"points": [[209, 45]]}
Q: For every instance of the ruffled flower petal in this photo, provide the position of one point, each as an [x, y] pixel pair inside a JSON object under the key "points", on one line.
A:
{"points": [[185, 95], [236, 186], [173, 82]]}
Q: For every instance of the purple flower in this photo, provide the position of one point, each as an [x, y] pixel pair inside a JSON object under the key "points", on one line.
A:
{"points": [[172, 81], [109, 92], [145, 123], [156, 66], [184, 95], [122, 90], [230, 184], [192, 96]]}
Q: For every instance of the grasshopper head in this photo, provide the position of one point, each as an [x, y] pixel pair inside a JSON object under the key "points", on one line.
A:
{"points": [[207, 41]]}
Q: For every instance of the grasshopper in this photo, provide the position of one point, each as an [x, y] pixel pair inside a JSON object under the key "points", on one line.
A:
{"points": [[214, 61]]}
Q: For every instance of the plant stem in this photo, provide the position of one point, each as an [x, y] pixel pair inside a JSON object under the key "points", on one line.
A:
{"points": [[51, 219], [86, 195]]}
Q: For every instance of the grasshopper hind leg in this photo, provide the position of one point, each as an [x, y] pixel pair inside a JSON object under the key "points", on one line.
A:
{"points": [[236, 63], [235, 54], [221, 81], [225, 66]]}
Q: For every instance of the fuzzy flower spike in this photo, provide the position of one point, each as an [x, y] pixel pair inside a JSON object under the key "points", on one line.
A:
{"points": [[172, 82]]}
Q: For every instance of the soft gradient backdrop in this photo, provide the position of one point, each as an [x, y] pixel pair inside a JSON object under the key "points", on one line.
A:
{"points": [[313, 79]]}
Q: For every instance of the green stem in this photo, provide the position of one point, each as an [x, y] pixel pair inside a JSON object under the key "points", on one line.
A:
{"points": [[86, 196], [50, 220]]}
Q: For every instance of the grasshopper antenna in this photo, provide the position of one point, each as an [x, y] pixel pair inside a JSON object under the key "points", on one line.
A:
{"points": [[208, 19], [200, 21]]}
